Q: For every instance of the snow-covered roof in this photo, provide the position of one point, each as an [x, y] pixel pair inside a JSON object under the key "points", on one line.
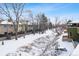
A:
{"points": [[65, 34], [6, 22], [76, 21], [20, 23], [65, 30], [29, 23]]}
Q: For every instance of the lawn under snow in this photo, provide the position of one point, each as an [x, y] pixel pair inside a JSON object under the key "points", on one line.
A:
{"points": [[76, 51], [39, 41], [65, 44], [11, 46]]}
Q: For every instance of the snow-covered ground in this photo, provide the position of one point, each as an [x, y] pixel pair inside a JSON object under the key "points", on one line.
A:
{"points": [[76, 51], [65, 44], [11, 46], [38, 41]]}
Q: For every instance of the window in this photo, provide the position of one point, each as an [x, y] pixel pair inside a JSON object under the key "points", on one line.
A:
{"points": [[5, 25], [78, 25], [11, 25], [70, 34], [73, 25]]}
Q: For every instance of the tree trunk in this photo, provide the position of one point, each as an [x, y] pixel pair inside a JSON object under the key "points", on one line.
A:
{"points": [[16, 31], [16, 38], [2, 42]]}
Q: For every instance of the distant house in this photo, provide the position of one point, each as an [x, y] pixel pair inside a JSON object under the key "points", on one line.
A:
{"points": [[30, 26], [73, 30], [24, 25], [6, 27], [20, 27], [65, 35]]}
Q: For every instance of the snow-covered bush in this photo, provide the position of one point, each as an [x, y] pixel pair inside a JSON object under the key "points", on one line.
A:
{"points": [[25, 48], [12, 54]]}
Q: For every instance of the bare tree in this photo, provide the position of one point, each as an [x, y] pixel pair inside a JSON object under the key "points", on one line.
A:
{"points": [[12, 11], [31, 18], [24, 26], [38, 18], [18, 10], [48, 46], [42, 22], [57, 25], [4, 10]]}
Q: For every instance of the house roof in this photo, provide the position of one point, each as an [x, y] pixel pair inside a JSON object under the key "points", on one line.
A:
{"points": [[65, 34], [76, 21], [6, 22], [29, 23]]}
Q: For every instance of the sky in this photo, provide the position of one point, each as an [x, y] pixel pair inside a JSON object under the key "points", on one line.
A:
{"points": [[61, 10], [52, 10]]}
